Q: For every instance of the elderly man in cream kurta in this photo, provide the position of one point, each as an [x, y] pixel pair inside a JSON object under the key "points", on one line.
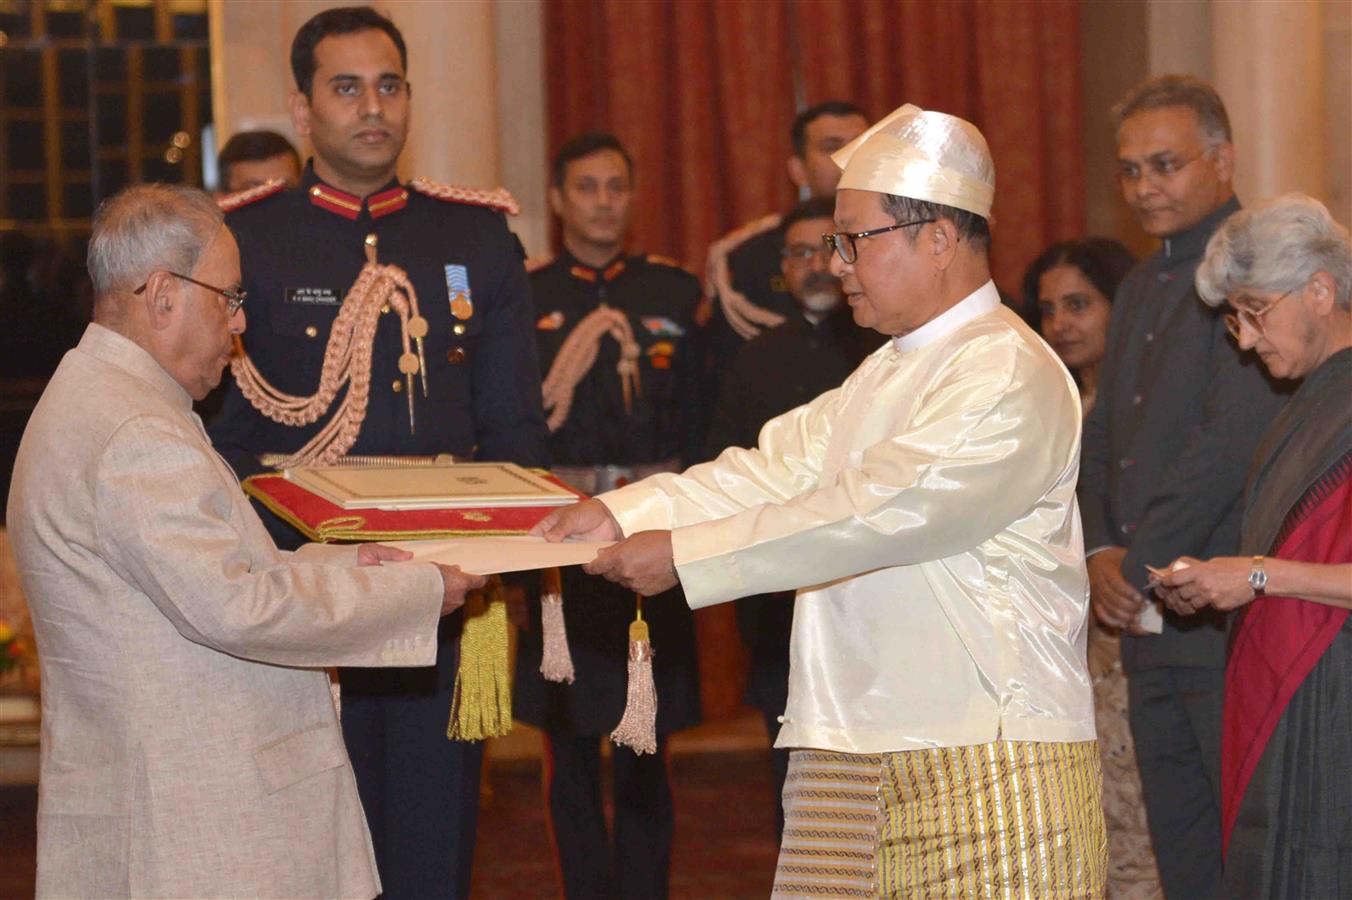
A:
{"points": [[189, 746], [939, 705]]}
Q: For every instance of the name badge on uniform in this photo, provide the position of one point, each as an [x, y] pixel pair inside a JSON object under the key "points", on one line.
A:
{"points": [[457, 289], [313, 296]]}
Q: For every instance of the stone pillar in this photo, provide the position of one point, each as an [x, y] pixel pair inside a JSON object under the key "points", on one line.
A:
{"points": [[1268, 64], [522, 129]]}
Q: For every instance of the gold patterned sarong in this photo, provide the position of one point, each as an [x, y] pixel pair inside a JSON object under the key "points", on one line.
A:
{"points": [[1005, 819]]}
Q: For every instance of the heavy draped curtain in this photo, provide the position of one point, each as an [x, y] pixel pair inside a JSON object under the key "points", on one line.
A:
{"points": [[702, 93]]}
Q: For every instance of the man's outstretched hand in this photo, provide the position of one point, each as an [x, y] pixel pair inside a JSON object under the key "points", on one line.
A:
{"points": [[642, 563], [456, 584], [586, 521]]}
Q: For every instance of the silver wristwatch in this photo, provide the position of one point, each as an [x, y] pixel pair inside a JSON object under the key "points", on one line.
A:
{"points": [[1258, 577]]}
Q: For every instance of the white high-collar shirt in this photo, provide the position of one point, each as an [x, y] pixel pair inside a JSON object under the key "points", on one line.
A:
{"points": [[925, 511]]}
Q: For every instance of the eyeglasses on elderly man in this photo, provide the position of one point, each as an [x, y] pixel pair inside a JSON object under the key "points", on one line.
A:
{"points": [[234, 298]]}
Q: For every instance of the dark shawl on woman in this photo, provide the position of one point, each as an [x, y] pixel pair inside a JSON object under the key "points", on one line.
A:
{"points": [[1286, 767]]}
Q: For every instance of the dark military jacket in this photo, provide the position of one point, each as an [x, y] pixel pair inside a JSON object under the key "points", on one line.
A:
{"points": [[774, 372], [300, 252], [660, 299]]}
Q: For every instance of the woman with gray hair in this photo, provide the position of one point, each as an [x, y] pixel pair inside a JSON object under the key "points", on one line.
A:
{"points": [[1285, 270]]}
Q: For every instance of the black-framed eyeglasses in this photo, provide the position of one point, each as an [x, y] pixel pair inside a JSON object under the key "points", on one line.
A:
{"points": [[233, 299], [1254, 320], [843, 242]]}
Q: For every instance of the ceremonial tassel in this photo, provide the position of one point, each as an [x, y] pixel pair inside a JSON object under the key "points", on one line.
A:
{"points": [[638, 726], [556, 663], [482, 704]]}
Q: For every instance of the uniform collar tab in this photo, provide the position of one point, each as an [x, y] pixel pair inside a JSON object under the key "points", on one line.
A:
{"points": [[390, 199], [590, 274]]}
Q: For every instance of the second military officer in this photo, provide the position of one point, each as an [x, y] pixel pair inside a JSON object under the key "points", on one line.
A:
{"points": [[620, 416]]}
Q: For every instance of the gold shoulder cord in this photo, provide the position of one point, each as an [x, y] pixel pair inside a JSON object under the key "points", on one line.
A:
{"points": [[347, 361]]}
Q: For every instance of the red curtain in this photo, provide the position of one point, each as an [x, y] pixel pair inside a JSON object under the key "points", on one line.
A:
{"points": [[702, 93]]}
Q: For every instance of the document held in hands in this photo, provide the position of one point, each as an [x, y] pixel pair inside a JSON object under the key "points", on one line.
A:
{"points": [[496, 555]]}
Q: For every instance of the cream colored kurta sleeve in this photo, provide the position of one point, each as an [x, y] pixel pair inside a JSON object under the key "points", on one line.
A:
{"points": [[344, 555], [984, 445], [786, 462], [169, 523]]}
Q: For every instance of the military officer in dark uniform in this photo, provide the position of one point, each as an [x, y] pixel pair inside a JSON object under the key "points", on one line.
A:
{"points": [[301, 250], [743, 275], [813, 351], [611, 433]]}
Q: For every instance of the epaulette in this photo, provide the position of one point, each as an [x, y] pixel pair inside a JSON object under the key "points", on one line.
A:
{"points": [[232, 202], [498, 199], [657, 259], [536, 263]]}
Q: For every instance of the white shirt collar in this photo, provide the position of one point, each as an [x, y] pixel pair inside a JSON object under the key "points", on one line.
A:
{"points": [[981, 301]]}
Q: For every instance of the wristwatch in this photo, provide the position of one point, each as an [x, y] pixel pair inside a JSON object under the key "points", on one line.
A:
{"points": [[1258, 577]]}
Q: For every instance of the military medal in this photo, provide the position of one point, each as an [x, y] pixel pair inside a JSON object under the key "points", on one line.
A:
{"points": [[457, 288]]}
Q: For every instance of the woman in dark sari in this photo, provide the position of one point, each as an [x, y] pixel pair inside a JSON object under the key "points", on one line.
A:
{"points": [[1285, 269]]}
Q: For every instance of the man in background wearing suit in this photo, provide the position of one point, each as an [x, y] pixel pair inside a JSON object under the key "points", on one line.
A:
{"points": [[189, 746], [1178, 416]]}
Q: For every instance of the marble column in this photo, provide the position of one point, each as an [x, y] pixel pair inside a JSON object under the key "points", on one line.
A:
{"points": [[1268, 64]]}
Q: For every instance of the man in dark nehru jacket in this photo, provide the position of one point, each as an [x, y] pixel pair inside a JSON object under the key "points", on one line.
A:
{"points": [[815, 348], [470, 338], [1179, 414], [618, 418], [743, 275]]}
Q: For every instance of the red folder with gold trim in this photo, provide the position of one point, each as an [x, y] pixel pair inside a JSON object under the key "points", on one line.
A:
{"points": [[322, 520]]}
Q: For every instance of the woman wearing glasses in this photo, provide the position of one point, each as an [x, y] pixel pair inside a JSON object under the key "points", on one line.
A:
{"points": [[1285, 270]]}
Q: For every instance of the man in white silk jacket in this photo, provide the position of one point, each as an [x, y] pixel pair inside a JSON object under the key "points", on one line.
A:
{"points": [[939, 705]]}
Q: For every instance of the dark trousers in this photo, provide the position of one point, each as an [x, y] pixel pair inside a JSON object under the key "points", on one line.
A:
{"points": [[1175, 718], [779, 769], [637, 866], [420, 792]]}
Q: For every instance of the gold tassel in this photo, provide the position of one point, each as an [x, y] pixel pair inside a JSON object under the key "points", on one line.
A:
{"points": [[638, 726], [482, 705], [556, 663]]}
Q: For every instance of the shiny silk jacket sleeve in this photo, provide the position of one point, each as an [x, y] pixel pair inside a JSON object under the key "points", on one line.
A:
{"points": [[786, 463], [171, 523], [989, 437]]}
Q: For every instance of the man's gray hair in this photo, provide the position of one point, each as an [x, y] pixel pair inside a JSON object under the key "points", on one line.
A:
{"points": [[147, 228], [969, 225], [1178, 90], [1276, 246]]}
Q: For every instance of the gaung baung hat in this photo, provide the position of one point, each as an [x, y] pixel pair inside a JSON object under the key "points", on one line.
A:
{"points": [[924, 155]]}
